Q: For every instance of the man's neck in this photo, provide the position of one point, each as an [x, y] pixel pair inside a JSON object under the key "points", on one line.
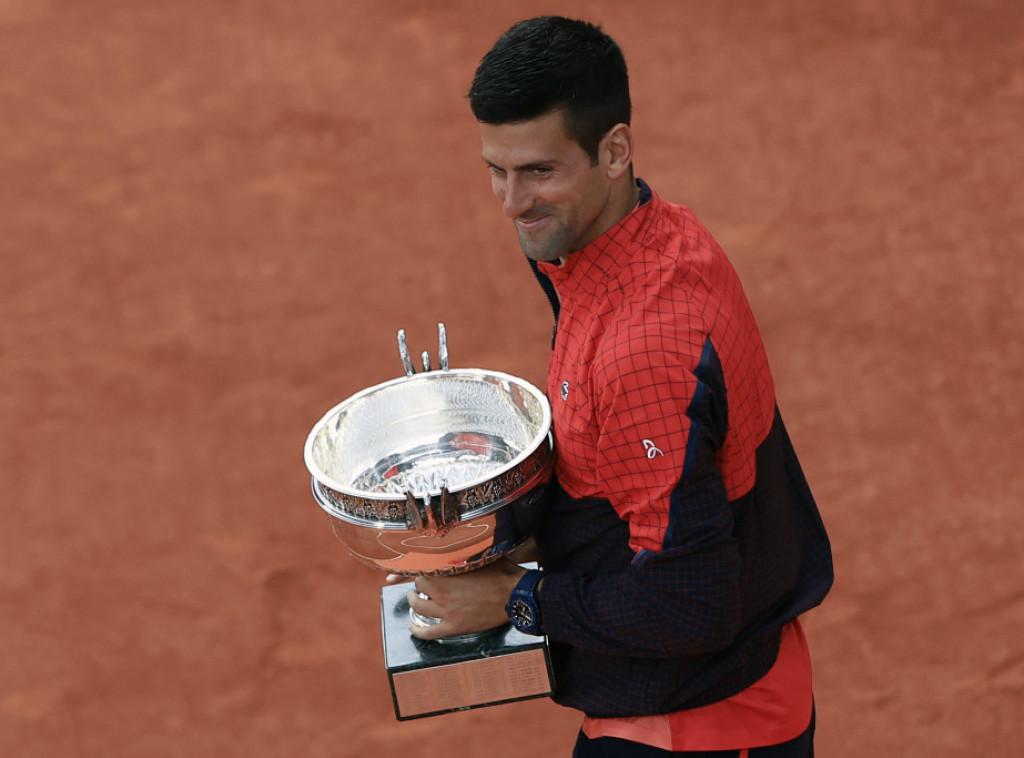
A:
{"points": [[629, 203]]}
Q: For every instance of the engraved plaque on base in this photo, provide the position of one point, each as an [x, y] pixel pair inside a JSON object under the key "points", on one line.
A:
{"points": [[429, 678]]}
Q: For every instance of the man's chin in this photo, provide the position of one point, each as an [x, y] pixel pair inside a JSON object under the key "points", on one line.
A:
{"points": [[539, 253]]}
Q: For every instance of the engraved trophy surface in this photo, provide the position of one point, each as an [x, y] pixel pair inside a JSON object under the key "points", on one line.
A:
{"points": [[439, 473]]}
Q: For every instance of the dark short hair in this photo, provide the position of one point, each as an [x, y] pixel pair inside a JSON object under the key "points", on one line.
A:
{"points": [[549, 63]]}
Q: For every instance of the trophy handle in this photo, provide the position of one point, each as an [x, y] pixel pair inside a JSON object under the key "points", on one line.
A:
{"points": [[442, 352], [434, 516]]}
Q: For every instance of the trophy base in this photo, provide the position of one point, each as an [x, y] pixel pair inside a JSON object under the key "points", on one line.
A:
{"points": [[429, 678]]}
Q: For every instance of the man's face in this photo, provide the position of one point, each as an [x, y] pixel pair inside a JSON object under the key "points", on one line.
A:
{"points": [[557, 200]]}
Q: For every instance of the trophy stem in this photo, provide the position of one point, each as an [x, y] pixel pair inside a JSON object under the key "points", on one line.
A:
{"points": [[418, 619]]}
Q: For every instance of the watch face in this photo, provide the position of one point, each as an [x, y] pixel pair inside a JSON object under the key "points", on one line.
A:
{"points": [[522, 613]]}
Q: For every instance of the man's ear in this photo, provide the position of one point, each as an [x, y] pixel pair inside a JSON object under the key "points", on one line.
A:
{"points": [[616, 150]]}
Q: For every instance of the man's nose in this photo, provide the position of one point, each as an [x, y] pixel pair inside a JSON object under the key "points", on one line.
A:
{"points": [[515, 198]]}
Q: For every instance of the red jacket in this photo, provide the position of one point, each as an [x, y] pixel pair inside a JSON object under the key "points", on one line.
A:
{"points": [[681, 534]]}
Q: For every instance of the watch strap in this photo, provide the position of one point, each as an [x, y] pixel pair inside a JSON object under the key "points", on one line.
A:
{"points": [[525, 593]]}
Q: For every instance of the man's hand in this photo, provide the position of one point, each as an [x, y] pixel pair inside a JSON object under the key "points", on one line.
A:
{"points": [[465, 603]]}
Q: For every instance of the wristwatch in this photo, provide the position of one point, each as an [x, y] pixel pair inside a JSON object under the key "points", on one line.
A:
{"points": [[522, 608]]}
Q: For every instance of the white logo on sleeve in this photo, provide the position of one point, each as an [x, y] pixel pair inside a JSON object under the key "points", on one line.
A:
{"points": [[652, 449], [565, 391]]}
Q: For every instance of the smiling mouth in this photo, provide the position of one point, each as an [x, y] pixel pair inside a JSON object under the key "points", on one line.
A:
{"points": [[529, 224]]}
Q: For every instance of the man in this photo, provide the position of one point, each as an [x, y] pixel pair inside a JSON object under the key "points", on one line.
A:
{"points": [[681, 542]]}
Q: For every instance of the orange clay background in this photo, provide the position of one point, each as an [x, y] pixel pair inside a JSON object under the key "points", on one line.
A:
{"points": [[215, 215]]}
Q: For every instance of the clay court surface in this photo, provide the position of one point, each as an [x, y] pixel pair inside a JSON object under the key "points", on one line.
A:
{"points": [[215, 216]]}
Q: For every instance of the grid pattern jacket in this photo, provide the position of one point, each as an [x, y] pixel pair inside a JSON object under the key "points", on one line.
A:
{"points": [[681, 533]]}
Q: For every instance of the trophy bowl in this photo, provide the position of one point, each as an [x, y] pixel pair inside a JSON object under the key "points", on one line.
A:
{"points": [[434, 473]]}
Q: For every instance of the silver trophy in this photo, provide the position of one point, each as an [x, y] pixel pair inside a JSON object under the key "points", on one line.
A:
{"points": [[438, 473]]}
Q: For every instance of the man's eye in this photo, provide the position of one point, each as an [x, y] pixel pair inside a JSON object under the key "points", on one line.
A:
{"points": [[495, 171], [541, 170]]}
